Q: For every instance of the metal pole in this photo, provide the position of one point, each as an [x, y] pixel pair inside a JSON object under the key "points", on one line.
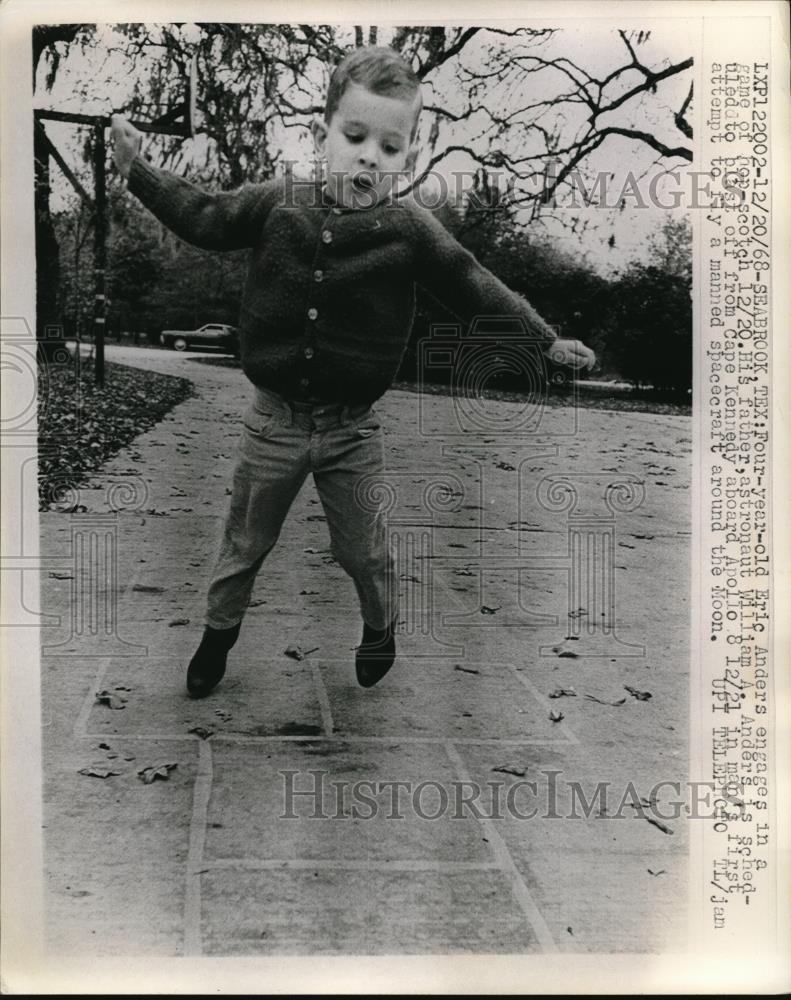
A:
{"points": [[99, 251]]}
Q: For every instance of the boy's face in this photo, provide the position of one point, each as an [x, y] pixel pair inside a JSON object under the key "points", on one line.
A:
{"points": [[367, 143]]}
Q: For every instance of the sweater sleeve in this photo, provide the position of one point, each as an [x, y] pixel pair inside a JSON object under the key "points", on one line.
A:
{"points": [[464, 285], [225, 220]]}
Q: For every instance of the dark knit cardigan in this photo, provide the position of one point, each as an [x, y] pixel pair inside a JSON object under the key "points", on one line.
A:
{"points": [[329, 297]]}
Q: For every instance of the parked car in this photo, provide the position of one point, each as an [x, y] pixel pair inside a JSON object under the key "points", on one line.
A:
{"points": [[218, 335]]}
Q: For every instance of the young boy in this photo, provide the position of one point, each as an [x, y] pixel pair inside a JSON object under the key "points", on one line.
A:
{"points": [[325, 319]]}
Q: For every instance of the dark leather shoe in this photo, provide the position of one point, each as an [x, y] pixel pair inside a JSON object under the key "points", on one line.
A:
{"points": [[375, 655], [207, 666]]}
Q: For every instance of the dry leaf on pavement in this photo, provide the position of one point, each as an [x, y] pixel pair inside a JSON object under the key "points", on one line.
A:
{"points": [[298, 653], [202, 731], [115, 701], [601, 701], [149, 774], [659, 825], [98, 771]]}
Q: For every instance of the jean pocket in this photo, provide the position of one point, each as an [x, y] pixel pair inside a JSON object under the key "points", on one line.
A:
{"points": [[258, 422], [368, 423]]}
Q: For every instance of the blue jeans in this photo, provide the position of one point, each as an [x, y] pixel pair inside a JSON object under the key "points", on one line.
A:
{"points": [[283, 441]]}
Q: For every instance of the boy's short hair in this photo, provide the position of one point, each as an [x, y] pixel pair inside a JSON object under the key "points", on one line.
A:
{"points": [[379, 69]]}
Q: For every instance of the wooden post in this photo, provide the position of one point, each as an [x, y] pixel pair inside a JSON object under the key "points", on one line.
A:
{"points": [[99, 251]]}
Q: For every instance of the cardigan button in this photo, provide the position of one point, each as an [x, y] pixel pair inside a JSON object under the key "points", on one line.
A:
{"points": [[318, 275], [308, 352], [326, 236], [312, 313], [304, 382]]}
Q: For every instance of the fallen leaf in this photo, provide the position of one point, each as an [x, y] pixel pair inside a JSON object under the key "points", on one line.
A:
{"points": [[601, 701], [57, 575], [178, 621], [640, 695], [114, 701], [149, 774], [643, 803], [145, 588], [556, 716], [465, 670], [563, 693], [202, 731], [662, 871], [98, 771], [488, 611], [659, 825], [506, 466], [518, 772], [298, 653], [568, 654]]}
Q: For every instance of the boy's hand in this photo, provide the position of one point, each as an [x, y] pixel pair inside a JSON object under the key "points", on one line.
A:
{"points": [[126, 143], [572, 353]]}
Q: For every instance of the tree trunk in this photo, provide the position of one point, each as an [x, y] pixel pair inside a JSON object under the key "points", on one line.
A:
{"points": [[47, 258]]}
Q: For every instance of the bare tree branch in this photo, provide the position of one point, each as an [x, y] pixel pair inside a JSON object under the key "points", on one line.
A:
{"points": [[679, 118]]}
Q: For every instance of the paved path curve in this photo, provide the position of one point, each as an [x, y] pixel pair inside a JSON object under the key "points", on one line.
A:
{"points": [[306, 815]]}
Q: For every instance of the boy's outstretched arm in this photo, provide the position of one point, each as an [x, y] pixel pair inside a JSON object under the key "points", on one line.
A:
{"points": [[468, 289], [227, 220]]}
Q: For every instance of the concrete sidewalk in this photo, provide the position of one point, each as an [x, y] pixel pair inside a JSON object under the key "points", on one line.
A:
{"points": [[495, 577]]}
